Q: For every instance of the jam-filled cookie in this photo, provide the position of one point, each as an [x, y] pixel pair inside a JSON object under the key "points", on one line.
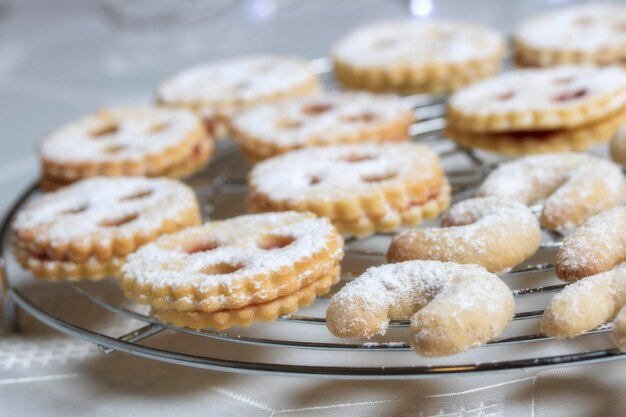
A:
{"points": [[324, 119], [407, 56], [362, 188], [218, 90], [539, 110], [145, 141], [86, 230], [228, 272], [584, 34]]}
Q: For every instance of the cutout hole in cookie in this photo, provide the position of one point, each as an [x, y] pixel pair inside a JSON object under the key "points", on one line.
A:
{"points": [[137, 195], [379, 178], [355, 157], [269, 242], [158, 127], [316, 109], [364, 117], [570, 95], [315, 180], [288, 124], [222, 268], [507, 95], [76, 210], [113, 148], [104, 130], [119, 221], [202, 247]]}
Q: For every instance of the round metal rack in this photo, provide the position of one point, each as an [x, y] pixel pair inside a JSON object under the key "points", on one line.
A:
{"points": [[299, 344]]}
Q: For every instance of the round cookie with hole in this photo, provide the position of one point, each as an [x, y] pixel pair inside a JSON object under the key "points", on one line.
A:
{"points": [[119, 141], [325, 119], [219, 90], [86, 230], [539, 110], [582, 34], [229, 265], [362, 188], [409, 56]]}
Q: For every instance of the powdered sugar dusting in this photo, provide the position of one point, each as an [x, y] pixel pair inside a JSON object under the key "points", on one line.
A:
{"points": [[412, 43], [241, 79], [119, 134], [83, 209], [172, 260], [530, 90], [325, 118], [587, 28], [397, 291], [331, 172]]}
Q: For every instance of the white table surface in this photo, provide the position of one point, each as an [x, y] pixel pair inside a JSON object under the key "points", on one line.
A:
{"points": [[63, 58]]}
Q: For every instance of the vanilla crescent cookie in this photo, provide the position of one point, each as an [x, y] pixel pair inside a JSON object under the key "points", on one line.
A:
{"points": [[232, 264], [596, 246], [539, 110], [572, 186], [494, 233], [146, 141], [218, 90], [324, 119], [588, 303], [361, 188], [408, 56], [583, 34], [245, 316], [452, 307], [86, 230]]}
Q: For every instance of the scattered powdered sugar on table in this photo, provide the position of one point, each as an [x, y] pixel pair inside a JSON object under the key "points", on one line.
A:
{"points": [[586, 28], [240, 79], [126, 133], [233, 243], [543, 89], [83, 209], [327, 117], [330, 173], [412, 43]]}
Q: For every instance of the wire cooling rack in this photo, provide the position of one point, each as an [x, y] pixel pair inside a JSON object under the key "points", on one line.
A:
{"points": [[300, 344]]}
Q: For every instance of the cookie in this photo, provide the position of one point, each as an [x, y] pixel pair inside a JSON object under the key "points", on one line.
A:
{"points": [[583, 34], [218, 90], [324, 119], [232, 264], [452, 307], [86, 230], [361, 188], [494, 233], [539, 110], [596, 246], [122, 141], [407, 56], [244, 317], [617, 146], [571, 186]]}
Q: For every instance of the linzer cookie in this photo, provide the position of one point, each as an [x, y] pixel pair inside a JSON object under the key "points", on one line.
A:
{"points": [[539, 110], [144, 141], [86, 230], [219, 89], [362, 188], [407, 56], [588, 34], [236, 271], [325, 119]]}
